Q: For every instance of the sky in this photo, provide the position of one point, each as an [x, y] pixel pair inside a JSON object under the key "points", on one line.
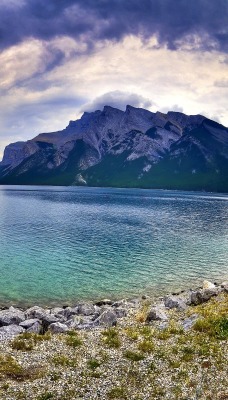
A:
{"points": [[59, 58]]}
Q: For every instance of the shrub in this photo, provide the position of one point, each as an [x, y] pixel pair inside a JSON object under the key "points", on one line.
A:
{"points": [[111, 338], [216, 327], [62, 360], [117, 393], [133, 356], [93, 363], [73, 341], [9, 368], [146, 346]]}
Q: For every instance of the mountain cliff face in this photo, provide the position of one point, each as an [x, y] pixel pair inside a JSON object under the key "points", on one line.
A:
{"points": [[132, 148]]}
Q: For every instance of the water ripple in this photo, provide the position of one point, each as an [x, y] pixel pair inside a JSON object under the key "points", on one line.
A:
{"points": [[60, 245]]}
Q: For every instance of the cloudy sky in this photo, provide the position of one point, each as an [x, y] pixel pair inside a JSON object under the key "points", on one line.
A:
{"points": [[59, 58]]}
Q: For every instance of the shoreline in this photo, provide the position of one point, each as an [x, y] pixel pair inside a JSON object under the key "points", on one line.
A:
{"points": [[151, 294], [103, 312], [117, 187], [175, 348]]}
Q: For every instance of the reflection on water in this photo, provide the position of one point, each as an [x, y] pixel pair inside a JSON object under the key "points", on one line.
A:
{"points": [[59, 245]]}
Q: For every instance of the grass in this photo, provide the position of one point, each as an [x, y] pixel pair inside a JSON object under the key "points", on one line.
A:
{"points": [[93, 363], [133, 355], [27, 341], [64, 361], [216, 327], [73, 340], [22, 344], [111, 338], [146, 346], [9, 368], [117, 393], [46, 396]]}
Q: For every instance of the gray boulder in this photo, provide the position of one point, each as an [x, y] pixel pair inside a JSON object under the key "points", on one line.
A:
{"points": [[175, 302], [35, 312], [57, 311], [43, 315], [76, 320], [104, 302], [86, 309], [11, 316], [202, 295], [107, 318], [224, 286], [69, 311], [10, 331], [120, 312], [35, 328], [156, 314], [58, 327], [189, 322], [28, 323]]}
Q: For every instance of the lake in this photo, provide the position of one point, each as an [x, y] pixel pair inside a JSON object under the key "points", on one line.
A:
{"points": [[59, 245]]}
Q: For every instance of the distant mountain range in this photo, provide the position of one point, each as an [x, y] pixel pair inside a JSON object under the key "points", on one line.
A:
{"points": [[132, 148]]}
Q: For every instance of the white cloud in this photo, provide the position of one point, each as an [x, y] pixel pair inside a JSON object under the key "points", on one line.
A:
{"points": [[119, 100], [36, 97]]}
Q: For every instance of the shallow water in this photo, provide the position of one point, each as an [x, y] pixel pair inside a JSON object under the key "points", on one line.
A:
{"points": [[60, 244]]}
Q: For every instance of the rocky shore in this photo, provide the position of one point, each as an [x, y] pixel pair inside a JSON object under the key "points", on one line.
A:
{"points": [[90, 349], [14, 321]]}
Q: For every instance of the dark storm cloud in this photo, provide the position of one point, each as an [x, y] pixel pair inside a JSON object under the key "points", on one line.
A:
{"points": [[174, 22]]}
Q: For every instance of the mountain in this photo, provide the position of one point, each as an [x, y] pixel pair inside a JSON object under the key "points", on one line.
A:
{"points": [[131, 148]]}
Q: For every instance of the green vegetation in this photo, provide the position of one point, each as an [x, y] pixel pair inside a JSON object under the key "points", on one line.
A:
{"points": [[117, 393], [111, 338], [64, 361], [27, 341], [133, 355], [9, 368], [93, 363], [156, 363], [73, 340], [45, 396]]}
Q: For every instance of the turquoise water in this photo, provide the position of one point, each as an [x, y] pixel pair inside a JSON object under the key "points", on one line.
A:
{"points": [[59, 245]]}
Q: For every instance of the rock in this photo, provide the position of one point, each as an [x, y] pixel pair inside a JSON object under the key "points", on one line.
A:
{"points": [[208, 293], [121, 312], [86, 309], [57, 311], [224, 286], [11, 316], [43, 315], [47, 320], [28, 323], [35, 328], [104, 302], [92, 325], [35, 312], [69, 311], [58, 327], [77, 320], [189, 322], [163, 325], [208, 285], [156, 314], [196, 298], [203, 295], [107, 318], [10, 331], [119, 303], [175, 302]]}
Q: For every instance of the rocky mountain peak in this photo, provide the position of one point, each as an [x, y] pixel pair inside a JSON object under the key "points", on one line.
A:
{"points": [[111, 147]]}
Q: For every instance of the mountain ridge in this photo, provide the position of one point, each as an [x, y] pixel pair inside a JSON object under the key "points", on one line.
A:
{"points": [[131, 148]]}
